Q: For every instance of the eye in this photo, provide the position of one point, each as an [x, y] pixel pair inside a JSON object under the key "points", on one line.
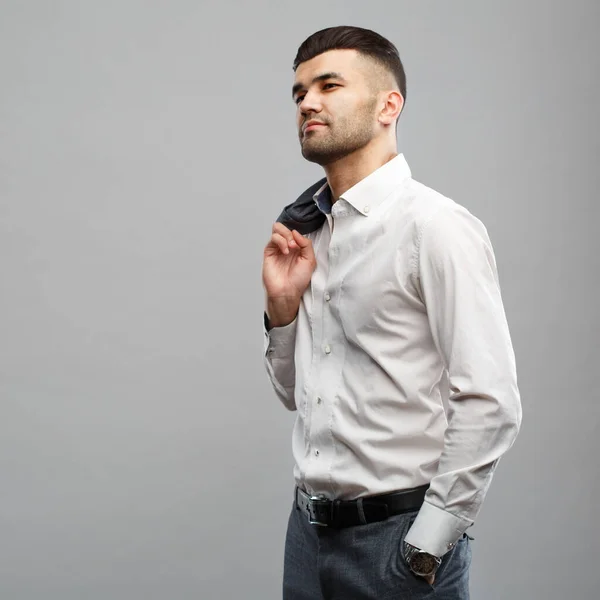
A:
{"points": [[330, 84], [298, 99]]}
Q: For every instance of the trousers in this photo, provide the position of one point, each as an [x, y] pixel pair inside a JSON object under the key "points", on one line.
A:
{"points": [[365, 562]]}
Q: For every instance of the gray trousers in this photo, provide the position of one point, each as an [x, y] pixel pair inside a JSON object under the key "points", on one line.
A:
{"points": [[365, 563]]}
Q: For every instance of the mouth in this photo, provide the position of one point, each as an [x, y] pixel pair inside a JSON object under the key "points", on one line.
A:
{"points": [[312, 125]]}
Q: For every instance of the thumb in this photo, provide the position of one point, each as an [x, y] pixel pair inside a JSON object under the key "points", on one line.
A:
{"points": [[302, 241], [305, 246]]}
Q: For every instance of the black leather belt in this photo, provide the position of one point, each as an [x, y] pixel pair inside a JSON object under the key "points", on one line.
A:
{"points": [[347, 513]]}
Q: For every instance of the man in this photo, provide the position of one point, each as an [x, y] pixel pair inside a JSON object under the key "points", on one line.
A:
{"points": [[385, 331]]}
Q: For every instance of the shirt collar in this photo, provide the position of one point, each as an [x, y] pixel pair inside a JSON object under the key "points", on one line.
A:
{"points": [[371, 191]]}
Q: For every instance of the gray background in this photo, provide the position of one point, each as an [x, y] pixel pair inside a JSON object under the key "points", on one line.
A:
{"points": [[145, 149]]}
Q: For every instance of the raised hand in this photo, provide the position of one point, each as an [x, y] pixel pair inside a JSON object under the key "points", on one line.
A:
{"points": [[288, 264]]}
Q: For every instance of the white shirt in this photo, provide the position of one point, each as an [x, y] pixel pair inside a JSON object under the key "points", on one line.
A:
{"points": [[399, 363]]}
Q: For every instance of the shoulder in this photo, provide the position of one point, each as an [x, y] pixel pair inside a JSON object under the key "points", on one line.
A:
{"points": [[445, 232], [438, 216]]}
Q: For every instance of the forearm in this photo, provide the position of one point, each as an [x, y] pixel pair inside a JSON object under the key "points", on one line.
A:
{"points": [[481, 429]]}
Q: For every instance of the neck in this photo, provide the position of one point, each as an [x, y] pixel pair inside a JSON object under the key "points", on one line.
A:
{"points": [[349, 170]]}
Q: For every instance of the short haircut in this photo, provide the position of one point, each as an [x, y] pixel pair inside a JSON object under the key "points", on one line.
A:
{"points": [[366, 42]]}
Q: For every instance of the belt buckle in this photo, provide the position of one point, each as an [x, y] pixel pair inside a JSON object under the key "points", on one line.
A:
{"points": [[312, 516]]}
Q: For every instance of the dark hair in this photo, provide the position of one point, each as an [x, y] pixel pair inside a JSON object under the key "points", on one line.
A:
{"points": [[364, 41]]}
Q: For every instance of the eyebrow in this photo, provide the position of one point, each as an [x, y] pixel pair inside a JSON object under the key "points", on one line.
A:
{"points": [[322, 77]]}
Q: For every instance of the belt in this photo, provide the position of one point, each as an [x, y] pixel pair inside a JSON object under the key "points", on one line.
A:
{"points": [[347, 513]]}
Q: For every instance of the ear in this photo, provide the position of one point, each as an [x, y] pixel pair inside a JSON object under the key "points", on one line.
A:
{"points": [[392, 107]]}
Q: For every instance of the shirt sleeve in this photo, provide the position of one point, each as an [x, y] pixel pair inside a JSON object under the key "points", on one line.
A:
{"points": [[457, 278], [279, 349]]}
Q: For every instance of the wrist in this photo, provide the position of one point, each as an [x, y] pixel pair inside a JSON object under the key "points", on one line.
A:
{"points": [[281, 311], [421, 563]]}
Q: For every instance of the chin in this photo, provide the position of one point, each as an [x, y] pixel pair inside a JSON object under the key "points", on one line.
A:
{"points": [[315, 157], [322, 156]]}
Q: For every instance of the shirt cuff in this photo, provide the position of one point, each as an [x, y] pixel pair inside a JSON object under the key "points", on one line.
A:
{"points": [[435, 530], [280, 342]]}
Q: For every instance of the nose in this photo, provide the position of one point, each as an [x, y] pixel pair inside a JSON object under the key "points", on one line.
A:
{"points": [[311, 103]]}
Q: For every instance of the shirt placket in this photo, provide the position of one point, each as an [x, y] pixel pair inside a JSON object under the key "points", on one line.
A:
{"points": [[328, 353]]}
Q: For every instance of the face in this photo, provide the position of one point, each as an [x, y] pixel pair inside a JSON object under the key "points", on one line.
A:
{"points": [[333, 91]]}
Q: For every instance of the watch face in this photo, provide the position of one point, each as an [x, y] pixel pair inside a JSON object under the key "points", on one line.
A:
{"points": [[423, 564]]}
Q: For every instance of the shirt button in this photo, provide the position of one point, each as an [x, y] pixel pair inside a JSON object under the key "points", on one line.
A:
{"points": [[319, 400], [327, 297], [327, 350], [367, 208], [316, 453]]}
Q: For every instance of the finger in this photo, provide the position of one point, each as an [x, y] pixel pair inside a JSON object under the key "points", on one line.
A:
{"points": [[281, 229], [279, 241], [286, 233]]}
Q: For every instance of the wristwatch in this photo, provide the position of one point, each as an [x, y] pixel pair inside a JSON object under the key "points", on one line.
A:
{"points": [[420, 562]]}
